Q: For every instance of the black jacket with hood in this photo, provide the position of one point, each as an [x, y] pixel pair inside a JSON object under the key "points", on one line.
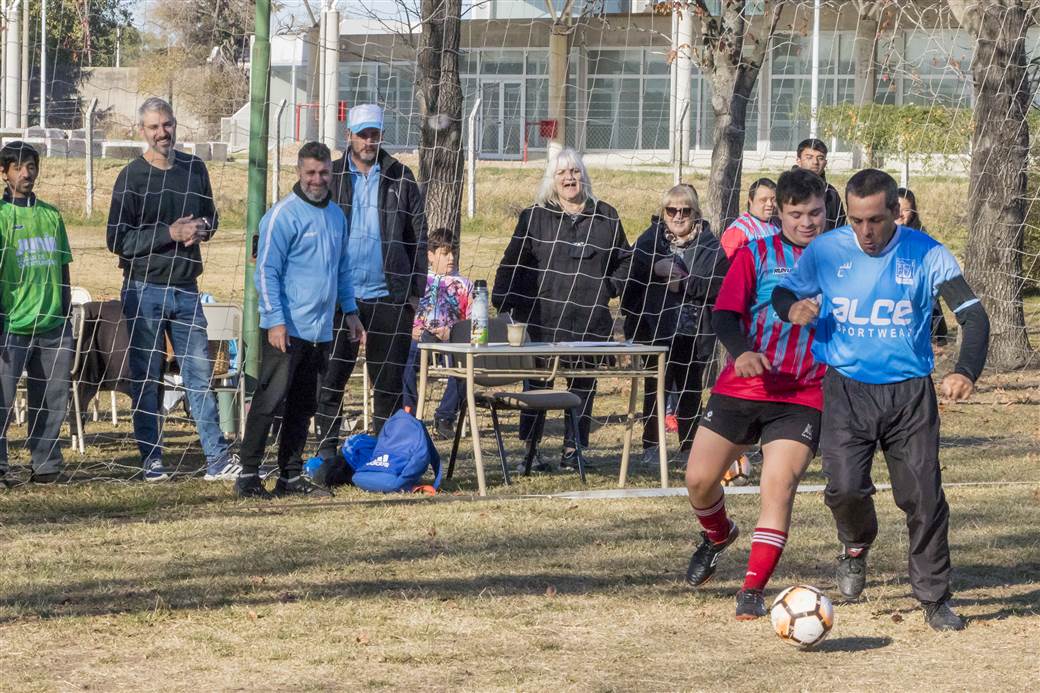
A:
{"points": [[402, 223], [651, 311], [559, 272]]}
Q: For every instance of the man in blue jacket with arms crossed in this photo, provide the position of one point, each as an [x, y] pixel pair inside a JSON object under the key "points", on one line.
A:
{"points": [[302, 274]]}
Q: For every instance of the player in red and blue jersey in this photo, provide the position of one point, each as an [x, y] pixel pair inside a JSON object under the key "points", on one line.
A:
{"points": [[757, 222], [869, 288], [769, 393]]}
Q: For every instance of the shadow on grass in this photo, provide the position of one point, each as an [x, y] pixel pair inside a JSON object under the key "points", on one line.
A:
{"points": [[860, 644]]}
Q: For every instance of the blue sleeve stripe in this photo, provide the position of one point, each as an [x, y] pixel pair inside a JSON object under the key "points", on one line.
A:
{"points": [[966, 304]]}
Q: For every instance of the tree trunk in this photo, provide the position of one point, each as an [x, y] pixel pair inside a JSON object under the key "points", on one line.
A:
{"points": [[865, 56], [997, 186], [730, 94], [439, 92], [559, 54]]}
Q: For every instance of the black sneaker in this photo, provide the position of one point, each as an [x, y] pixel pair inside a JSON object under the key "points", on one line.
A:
{"points": [[250, 486], [940, 617], [299, 486], [538, 464], [702, 563], [852, 574], [444, 428], [48, 478], [569, 460], [750, 605]]}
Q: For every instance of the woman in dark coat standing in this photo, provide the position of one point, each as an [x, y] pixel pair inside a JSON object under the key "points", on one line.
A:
{"points": [[677, 269], [567, 258]]}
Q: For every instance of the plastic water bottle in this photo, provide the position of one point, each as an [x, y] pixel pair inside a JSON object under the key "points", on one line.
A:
{"points": [[478, 313], [310, 467]]}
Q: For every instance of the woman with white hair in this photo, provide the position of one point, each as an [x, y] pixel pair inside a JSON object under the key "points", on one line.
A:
{"points": [[567, 258], [677, 269]]}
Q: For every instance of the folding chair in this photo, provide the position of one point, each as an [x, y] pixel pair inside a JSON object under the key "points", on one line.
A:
{"points": [[78, 319], [224, 324], [495, 400]]}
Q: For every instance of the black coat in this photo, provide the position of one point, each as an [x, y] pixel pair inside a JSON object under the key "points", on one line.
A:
{"points": [[558, 274], [402, 223], [651, 310], [832, 203]]}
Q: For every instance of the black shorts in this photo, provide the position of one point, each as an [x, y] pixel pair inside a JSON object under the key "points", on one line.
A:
{"points": [[747, 421]]}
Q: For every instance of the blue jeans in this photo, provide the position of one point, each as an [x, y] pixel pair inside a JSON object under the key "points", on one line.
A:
{"points": [[152, 311], [453, 391]]}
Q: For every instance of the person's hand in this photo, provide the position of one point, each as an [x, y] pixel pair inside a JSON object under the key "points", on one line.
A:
{"points": [[442, 333], [804, 312], [751, 363], [354, 327], [956, 387], [186, 229], [278, 337], [416, 334]]}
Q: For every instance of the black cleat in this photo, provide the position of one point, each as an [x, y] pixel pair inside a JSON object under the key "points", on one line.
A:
{"points": [[750, 605], [299, 485], [48, 478], [569, 460], [852, 574], [940, 617], [444, 428], [250, 486], [702, 563]]}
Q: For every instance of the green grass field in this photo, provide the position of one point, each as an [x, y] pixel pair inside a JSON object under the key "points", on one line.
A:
{"points": [[113, 585]]}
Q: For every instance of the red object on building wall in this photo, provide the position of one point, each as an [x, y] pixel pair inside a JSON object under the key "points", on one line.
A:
{"points": [[547, 128], [342, 113]]}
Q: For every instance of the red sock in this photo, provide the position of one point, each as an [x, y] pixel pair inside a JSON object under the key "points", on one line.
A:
{"points": [[715, 521], [766, 547]]}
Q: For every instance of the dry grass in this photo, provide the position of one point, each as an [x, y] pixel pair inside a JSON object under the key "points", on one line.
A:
{"points": [[122, 586]]}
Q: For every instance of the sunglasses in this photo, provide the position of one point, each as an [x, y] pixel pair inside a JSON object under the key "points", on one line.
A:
{"points": [[678, 211]]}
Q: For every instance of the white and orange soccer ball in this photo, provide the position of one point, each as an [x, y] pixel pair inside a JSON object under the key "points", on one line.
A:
{"points": [[802, 616], [739, 473]]}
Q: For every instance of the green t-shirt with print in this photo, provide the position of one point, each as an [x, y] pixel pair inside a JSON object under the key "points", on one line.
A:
{"points": [[34, 248]]}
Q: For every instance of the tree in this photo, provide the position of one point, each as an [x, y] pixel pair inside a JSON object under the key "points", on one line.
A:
{"points": [[561, 37], [864, 47], [439, 93], [998, 178], [720, 55]]}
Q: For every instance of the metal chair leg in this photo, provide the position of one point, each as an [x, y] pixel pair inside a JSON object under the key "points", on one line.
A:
{"points": [[458, 437], [532, 448], [575, 421], [501, 446]]}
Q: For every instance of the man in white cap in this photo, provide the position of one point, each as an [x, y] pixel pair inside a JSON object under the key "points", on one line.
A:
{"points": [[387, 248]]}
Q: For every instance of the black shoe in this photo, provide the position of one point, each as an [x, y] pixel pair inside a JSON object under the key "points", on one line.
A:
{"points": [[702, 563], [538, 464], [250, 486], [750, 605], [444, 428], [48, 478], [852, 574], [569, 460], [940, 617], [299, 486]]}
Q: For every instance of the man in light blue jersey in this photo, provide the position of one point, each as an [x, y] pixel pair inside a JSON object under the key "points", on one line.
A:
{"points": [[870, 287], [302, 277]]}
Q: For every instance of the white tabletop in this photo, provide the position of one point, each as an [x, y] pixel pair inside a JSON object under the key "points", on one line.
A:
{"points": [[545, 348]]}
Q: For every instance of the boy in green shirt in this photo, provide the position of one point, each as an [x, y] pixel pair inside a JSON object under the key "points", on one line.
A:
{"points": [[35, 299]]}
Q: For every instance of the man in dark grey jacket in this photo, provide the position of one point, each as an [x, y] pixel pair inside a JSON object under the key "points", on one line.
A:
{"points": [[387, 246]]}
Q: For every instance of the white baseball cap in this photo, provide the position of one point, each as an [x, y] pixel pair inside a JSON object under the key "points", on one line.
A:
{"points": [[363, 116]]}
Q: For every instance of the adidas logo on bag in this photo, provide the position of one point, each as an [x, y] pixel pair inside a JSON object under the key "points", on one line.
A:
{"points": [[381, 461]]}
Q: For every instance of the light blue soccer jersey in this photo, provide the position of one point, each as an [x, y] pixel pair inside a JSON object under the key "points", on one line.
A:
{"points": [[875, 312]]}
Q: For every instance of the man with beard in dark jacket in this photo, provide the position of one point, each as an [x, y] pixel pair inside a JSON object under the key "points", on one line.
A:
{"points": [[567, 258], [386, 228], [812, 156], [677, 269]]}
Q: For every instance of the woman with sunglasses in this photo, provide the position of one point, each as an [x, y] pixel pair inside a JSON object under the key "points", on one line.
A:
{"points": [[677, 269]]}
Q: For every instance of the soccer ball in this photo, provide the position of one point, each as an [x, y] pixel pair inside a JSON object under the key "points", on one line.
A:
{"points": [[802, 616], [739, 473]]}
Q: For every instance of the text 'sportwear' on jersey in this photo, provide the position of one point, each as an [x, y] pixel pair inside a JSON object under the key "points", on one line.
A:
{"points": [[875, 316], [748, 289]]}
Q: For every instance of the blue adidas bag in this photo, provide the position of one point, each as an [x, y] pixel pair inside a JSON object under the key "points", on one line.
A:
{"points": [[401, 455]]}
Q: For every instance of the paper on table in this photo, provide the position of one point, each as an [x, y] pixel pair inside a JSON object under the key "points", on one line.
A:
{"points": [[583, 345]]}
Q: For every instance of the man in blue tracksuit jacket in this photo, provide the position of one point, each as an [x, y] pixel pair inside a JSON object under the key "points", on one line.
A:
{"points": [[302, 274]]}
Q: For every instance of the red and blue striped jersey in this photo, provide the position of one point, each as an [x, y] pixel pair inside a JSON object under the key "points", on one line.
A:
{"points": [[747, 289], [744, 229]]}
